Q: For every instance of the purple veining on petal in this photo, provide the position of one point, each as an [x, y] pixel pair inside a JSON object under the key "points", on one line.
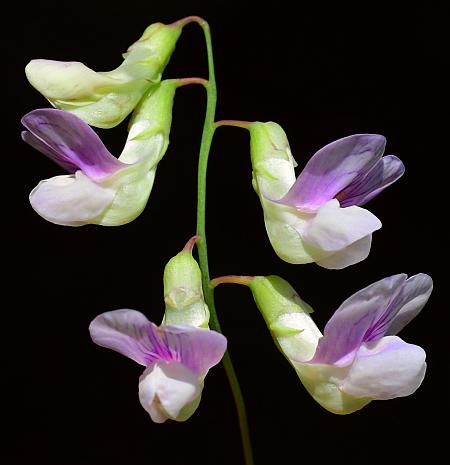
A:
{"points": [[126, 332], [199, 349], [333, 168], [162, 350], [357, 320], [69, 142], [367, 185], [131, 334], [404, 306]]}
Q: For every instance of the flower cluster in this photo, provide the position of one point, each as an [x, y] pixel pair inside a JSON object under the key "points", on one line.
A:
{"points": [[315, 217]]}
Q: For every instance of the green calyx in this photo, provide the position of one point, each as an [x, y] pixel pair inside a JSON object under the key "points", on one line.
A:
{"points": [[275, 297], [287, 317], [183, 292]]}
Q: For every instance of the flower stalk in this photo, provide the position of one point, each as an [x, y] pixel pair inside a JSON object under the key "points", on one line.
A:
{"points": [[205, 145]]}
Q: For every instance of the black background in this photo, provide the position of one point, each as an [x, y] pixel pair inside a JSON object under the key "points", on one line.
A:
{"points": [[321, 72]]}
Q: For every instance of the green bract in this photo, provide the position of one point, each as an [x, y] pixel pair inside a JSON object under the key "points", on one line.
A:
{"points": [[104, 99]]}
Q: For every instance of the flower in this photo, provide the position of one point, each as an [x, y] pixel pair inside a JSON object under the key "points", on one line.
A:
{"points": [[359, 358], [104, 99], [178, 354], [177, 359], [318, 217], [100, 188]]}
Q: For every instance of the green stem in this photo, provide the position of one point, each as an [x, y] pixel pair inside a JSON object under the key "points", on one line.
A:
{"points": [[207, 136]]}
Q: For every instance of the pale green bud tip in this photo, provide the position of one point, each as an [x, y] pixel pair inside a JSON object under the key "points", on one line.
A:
{"points": [[275, 297]]}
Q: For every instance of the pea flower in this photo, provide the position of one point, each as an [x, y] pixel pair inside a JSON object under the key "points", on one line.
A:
{"points": [[104, 99], [177, 356], [359, 358], [318, 216], [100, 188]]}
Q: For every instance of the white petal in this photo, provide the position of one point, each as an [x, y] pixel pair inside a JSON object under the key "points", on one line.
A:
{"points": [[354, 253], [385, 369], [165, 388], [70, 200], [285, 226], [334, 228]]}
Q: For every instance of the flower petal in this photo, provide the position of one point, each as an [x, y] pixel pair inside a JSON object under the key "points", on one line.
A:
{"points": [[365, 187], [166, 388], [414, 295], [333, 168], [334, 228], [385, 369], [348, 327], [199, 349], [71, 200], [70, 142], [354, 253], [126, 332], [66, 80]]}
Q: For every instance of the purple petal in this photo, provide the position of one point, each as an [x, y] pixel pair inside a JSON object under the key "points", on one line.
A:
{"points": [[333, 168], [385, 369], [69, 141], [125, 331], [199, 349], [404, 306], [366, 187], [355, 320], [414, 295]]}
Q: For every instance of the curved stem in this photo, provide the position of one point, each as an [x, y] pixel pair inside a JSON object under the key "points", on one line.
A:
{"points": [[233, 279], [207, 136], [233, 122]]}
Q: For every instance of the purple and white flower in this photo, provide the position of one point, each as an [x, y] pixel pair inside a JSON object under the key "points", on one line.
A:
{"points": [[176, 359], [318, 216], [359, 358], [100, 188]]}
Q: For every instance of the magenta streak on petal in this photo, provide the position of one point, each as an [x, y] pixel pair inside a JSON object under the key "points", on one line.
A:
{"points": [[161, 349], [333, 168], [69, 142]]}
